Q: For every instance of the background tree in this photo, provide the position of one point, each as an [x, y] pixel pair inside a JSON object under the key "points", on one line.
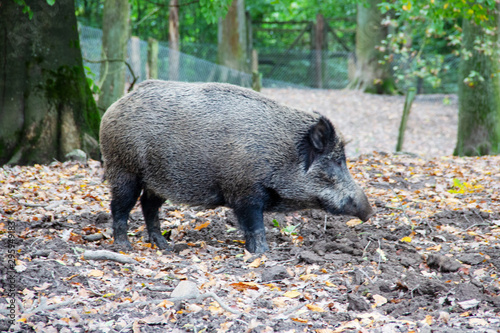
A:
{"points": [[372, 74], [232, 39], [479, 89], [115, 35], [46, 106]]}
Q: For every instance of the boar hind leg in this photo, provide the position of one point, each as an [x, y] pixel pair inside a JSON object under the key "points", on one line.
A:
{"points": [[251, 220], [151, 203], [124, 193]]}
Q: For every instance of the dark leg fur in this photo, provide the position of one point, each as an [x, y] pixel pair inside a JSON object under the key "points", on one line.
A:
{"points": [[124, 196], [251, 220], [151, 203]]}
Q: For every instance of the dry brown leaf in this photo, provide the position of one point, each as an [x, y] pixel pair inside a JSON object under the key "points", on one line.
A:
{"points": [[201, 226], [241, 286]]}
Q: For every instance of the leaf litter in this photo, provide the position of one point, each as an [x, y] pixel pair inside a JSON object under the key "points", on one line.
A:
{"points": [[428, 260]]}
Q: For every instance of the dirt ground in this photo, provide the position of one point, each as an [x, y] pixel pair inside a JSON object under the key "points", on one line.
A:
{"points": [[427, 262]]}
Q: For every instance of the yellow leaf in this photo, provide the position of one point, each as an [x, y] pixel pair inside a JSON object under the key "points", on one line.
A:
{"points": [[292, 294], [406, 239], [446, 5], [329, 284], [307, 277], [108, 295], [428, 320], [353, 222], [256, 263], [315, 308], [96, 273]]}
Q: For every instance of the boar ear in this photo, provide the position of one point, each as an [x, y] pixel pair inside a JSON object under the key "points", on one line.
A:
{"points": [[320, 134], [316, 140]]}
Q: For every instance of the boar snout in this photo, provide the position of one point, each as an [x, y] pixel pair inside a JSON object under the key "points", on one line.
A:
{"points": [[359, 206]]}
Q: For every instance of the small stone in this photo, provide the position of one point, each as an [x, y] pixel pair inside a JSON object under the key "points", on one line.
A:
{"points": [[275, 273], [76, 155], [443, 263], [185, 289], [310, 257], [357, 303]]}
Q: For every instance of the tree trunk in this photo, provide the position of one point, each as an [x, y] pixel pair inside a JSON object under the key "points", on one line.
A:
{"points": [[479, 93], [232, 38], [46, 106], [115, 35], [173, 41], [371, 75]]}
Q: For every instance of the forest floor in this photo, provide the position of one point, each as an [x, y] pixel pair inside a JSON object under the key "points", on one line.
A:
{"points": [[427, 262]]}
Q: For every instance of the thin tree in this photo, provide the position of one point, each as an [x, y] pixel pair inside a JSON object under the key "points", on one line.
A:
{"points": [[115, 35]]}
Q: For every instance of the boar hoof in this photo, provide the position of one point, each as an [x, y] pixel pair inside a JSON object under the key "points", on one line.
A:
{"points": [[255, 242], [122, 244], [160, 241]]}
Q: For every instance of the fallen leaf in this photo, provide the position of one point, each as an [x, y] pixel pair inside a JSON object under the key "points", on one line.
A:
{"points": [[95, 273], [201, 226], [165, 304], [353, 222], [379, 300], [315, 308], [292, 294], [299, 320], [241, 286], [434, 248]]}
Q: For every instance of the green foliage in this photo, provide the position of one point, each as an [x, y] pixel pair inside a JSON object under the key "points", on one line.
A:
{"points": [[433, 28], [288, 230], [91, 80], [213, 9], [27, 9]]}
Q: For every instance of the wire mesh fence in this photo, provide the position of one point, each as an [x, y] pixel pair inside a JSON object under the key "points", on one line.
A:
{"points": [[279, 67]]}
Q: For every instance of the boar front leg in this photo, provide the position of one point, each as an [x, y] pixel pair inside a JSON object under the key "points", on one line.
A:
{"points": [[251, 220], [150, 204]]}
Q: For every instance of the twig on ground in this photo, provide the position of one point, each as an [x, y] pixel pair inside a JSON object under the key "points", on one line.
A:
{"points": [[108, 255], [294, 309], [44, 307]]}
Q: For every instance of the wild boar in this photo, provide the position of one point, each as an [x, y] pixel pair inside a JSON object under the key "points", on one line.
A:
{"points": [[213, 144]]}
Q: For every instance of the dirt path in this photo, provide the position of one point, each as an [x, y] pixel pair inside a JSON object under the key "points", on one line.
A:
{"points": [[371, 122]]}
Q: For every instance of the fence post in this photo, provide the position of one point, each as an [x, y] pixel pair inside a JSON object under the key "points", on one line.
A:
{"points": [[152, 58], [256, 76], [410, 96]]}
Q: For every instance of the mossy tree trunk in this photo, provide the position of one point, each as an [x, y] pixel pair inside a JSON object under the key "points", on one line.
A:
{"points": [[115, 36], [479, 93], [372, 73], [232, 38], [46, 106]]}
